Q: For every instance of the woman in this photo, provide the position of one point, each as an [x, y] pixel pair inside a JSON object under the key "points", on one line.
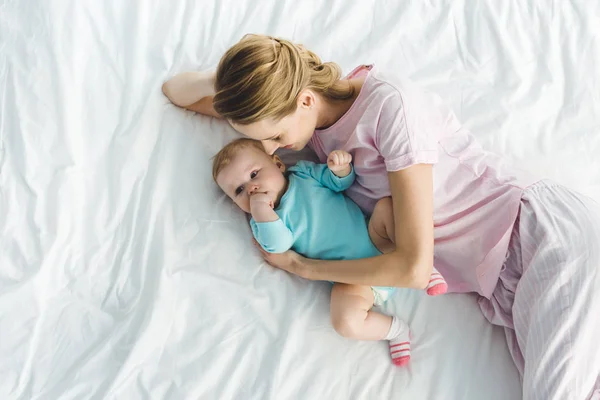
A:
{"points": [[529, 248]]}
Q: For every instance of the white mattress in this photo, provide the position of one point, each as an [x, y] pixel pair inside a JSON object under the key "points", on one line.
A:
{"points": [[125, 274]]}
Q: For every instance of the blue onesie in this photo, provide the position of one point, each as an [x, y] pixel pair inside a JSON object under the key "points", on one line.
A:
{"points": [[318, 221]]}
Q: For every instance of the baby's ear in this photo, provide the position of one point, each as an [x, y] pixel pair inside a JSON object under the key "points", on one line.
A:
{"points": [[279, 163]]}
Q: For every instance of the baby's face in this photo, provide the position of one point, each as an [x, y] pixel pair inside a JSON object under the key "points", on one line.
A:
{"points": [[252, 171]]}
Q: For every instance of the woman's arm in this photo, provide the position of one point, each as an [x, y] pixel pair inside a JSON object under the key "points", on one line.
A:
{"points": [[204, 107], [193, 91], [409, 265]]}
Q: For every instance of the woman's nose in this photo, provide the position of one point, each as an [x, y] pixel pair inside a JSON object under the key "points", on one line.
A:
{"points": [[269, 146]]}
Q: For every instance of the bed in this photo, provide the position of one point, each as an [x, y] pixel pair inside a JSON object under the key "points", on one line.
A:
{"points": [[125, 274]]}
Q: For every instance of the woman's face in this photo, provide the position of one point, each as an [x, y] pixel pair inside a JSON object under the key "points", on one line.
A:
{"points": [[291, 132]]}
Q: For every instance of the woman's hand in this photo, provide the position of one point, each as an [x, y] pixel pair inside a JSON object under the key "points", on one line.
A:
{"points": [[289, 261]]}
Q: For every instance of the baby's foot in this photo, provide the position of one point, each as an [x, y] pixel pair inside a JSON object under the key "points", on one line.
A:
{"points": [[437, 284], [399, 337]]}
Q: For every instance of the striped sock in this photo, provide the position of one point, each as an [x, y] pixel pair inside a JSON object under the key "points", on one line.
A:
{"points": [[399, 337], [437, 284]]}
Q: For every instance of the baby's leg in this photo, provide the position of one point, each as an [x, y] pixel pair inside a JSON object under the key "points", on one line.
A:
{"points": [[381, 226], [352, 317], [382, 234]]}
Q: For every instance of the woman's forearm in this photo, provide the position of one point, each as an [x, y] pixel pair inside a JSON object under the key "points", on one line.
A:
{"points": [[385, 270], [204, 107]]}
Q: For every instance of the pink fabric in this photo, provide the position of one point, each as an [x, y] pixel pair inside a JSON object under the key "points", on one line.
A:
{"points": [[393, 125], [548, 294], [437, 284]]}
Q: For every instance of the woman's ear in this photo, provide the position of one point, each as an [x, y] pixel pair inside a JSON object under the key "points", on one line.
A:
{"points": [[306, 99], [279, 163]]}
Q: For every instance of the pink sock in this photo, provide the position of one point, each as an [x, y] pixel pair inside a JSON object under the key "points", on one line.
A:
{"points": [[399, 337], [437, 284]]}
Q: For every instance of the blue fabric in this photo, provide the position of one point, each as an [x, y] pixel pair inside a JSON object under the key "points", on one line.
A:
{"points": [[316, 219]]}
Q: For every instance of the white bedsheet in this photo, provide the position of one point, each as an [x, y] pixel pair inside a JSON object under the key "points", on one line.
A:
{"points": [[125, 274]]}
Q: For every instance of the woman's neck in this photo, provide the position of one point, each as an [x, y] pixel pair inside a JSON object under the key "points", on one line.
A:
{"points": [[332, 110]]}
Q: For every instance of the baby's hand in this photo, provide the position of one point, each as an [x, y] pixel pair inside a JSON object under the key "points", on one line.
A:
{"points": [[260, 200], [338, 162]]}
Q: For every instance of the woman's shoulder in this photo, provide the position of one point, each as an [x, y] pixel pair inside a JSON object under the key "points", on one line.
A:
{"points": [[380, 92], [384, 89]]}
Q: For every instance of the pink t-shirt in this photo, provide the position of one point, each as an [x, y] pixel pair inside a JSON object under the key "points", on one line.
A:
{"points": [[393, 125]]}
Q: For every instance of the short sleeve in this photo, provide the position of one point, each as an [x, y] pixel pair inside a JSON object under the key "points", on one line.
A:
{"points": [[408, 130]]}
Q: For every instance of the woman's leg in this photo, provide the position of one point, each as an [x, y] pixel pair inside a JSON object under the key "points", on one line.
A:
{"points": [[352, 317], [382, 234], [556, 309]]}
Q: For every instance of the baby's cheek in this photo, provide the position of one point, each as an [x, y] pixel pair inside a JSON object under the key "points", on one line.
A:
{"points": [[244, 205]]}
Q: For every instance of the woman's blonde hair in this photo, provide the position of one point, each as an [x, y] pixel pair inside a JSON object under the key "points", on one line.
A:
{"points": [[261, 77]]}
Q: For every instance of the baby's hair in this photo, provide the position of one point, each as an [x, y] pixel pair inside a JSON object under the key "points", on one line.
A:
{"points": [[226, 154], [261, 77]]}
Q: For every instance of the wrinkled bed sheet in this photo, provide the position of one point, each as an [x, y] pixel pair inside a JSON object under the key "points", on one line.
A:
{"points": [[125, 274]]}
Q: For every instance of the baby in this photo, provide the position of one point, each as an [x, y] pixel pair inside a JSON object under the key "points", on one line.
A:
{"points": [[305, 210]]}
